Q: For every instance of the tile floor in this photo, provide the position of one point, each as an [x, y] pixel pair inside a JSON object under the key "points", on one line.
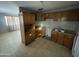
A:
{"points": [[11, 46]]}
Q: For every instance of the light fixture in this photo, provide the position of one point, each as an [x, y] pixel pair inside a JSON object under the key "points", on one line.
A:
{"points": [[41, 9], [41, 2]]}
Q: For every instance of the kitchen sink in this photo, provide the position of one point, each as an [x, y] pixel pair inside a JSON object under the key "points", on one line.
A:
{"points": [[64, 31]]}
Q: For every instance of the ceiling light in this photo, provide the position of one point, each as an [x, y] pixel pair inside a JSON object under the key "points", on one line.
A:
{"points": [[41, 9]]}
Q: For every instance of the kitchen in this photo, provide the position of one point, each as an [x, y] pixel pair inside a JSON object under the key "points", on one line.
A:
{"points": [[60, 27], [39, 29]]}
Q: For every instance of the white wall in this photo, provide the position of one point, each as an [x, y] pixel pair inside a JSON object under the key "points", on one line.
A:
{"points": [[49, 24], [9, 8], [3, 27], [78, 27]]}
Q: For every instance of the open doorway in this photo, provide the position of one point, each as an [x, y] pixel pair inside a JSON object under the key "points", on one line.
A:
{"points": [[10, 39]]}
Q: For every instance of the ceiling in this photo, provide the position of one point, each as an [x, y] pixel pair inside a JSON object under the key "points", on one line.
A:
{"points": [[8, 8], [12, 7], [47, 5]]}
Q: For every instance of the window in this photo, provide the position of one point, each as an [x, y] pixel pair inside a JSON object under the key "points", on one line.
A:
{"points": [[12, 22]]}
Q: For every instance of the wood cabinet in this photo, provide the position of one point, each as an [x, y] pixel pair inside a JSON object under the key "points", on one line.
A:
{"points": [[41, 16], [28, 27], [65, 39], [60, 38], [69, 15], [54, 36], [29, 37], [57, 37], [28, 18], [68, 40]]}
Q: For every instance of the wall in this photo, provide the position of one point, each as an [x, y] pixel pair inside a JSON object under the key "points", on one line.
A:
{"points": [[67, 19], [50, 24], [22, 27], [3, 27], [78, 27], [9, 8]]}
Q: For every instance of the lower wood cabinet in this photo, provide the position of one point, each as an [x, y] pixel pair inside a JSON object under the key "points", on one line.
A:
{"points": [[54, 36], [65, 39], [68, 40], [60, 38], [29, 37]]}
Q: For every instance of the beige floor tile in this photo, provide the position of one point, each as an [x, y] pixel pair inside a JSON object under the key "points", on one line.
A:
{"points": [[11, 45]]}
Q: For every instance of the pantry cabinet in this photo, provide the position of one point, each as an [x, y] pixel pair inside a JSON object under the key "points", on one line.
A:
{"points": [[28, 27]]}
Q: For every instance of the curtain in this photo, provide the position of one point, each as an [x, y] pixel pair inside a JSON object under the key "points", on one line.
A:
{"points": [[12, 22]]}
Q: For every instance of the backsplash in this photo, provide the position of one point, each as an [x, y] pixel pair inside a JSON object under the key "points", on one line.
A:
{"points": [[49, 24]]}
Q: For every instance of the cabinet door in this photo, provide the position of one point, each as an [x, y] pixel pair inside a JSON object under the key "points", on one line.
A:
{"points": [[28, 18], [54, 36], [60, 38], [68, 41], [29, 37], [71, 15], [32, 19]]}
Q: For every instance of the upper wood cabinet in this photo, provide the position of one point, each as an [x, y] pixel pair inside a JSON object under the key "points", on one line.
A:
{"points": [[41, 17], [28, 18], [69, 15]]}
